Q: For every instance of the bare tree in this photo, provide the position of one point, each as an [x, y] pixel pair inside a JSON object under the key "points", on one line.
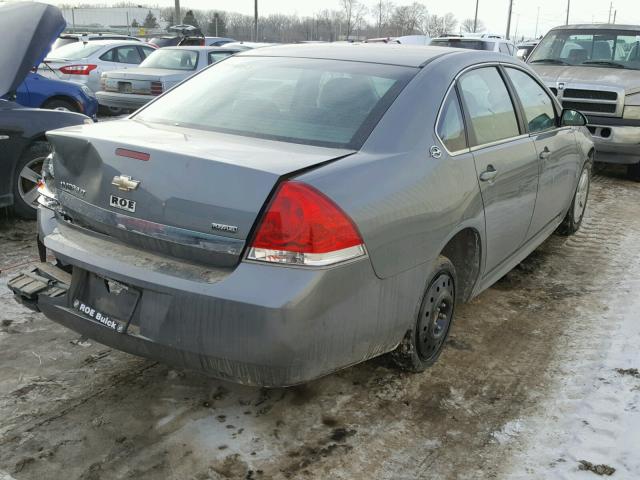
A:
{"points": [[353, 11], [382, 11], [407, 19], [468, 26], [437, 26]]}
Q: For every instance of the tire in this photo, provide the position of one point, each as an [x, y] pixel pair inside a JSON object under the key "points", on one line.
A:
{"points": [[633, 172], [60, 104], [26, 176], [573, 218], [423, 344]]}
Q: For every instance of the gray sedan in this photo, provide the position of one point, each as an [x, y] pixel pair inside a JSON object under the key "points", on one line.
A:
{"points": [[163, 69], [294, 210]]}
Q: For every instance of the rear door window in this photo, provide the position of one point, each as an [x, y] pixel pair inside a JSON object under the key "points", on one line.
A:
{"points": [[489, 104], [214, 57], [128, 54], [146, 51], [451, 125], [538, 106]]}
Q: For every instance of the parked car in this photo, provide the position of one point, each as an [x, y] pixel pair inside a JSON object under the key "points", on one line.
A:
{"points": [[165, 41], [67, 38], [596, 69], [22, 130], [406, 40], [489, 44], [205, 41], [40, 92], [164, 68], [247, 45], [524, 49], [85, 62], [293, 210]]}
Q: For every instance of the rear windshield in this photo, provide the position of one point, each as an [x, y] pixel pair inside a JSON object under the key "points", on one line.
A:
{"points": [[299, 100], [470, 44], [172, 59], [75, 51], [62, 41], [596, 48]]}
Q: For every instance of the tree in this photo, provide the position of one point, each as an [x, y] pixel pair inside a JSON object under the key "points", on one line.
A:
{"points": [[407, 19], [467, 26], [217, 24], [353, 15], [135, 23], [190, 19], [382, 12], [437, 26], [150, 21]]}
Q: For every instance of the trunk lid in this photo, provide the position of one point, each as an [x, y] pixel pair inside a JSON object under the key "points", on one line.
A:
{"points": [[199, 193], [138, 80]]}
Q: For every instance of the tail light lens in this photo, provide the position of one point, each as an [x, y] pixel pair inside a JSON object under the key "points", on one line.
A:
{"points": [[156, 88], [77, 69], [302, 226]]}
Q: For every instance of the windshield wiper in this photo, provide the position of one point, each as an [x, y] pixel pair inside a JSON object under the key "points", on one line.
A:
{"points": [[549, 60], [604, 63]]}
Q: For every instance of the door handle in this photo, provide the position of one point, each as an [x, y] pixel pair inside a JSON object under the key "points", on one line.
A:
{"points": [[489, 174], [546, 153]]}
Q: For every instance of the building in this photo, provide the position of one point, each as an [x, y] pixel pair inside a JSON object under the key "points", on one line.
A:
{"points": [[113, 19]]}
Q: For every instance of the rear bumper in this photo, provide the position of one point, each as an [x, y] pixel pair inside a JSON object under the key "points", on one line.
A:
{"points": [[615, 143], [256, 324], [123, 100]]}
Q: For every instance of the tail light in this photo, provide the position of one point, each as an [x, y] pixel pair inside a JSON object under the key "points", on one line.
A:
{"points": [[302, 226], [156, 88], [77, 69]]}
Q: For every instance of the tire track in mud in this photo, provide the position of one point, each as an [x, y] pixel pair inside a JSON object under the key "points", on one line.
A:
{"points": [[460, 419]]}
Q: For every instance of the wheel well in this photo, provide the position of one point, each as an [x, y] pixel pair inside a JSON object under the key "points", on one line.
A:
{"points": [[464, 251], [64, 98]]}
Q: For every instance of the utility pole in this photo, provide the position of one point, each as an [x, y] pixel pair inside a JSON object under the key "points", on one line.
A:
{"points": [[610, 8], [255, 20], [509, 19], [178, 19], [537, 21], [475, 19], [568, 8], [615, 13]]}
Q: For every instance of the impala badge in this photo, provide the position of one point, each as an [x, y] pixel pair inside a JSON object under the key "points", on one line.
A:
{"points": [[124, 182]]}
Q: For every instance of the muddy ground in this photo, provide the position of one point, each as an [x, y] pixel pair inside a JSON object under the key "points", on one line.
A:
{"points": [[538, 376]]}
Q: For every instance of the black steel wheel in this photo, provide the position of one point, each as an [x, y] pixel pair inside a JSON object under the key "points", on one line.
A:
{"points": [[423, 344]]}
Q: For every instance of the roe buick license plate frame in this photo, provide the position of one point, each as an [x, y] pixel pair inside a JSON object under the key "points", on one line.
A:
{"points": [[102, 300]]}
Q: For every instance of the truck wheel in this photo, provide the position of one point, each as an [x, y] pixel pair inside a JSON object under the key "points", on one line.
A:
{"points": [[27, 174], [573, 218], [633, 172], [60, 104], [423, 344]]}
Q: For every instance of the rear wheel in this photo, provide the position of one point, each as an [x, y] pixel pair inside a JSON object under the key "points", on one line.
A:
{"points": [[423, 344], [25, 185], [60, 104], [573, 218], [633, 172]]}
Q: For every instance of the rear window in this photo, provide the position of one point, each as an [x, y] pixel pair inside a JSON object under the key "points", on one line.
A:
{"points": [[469, 44], [62, 41], [310, 101], [172, 59], [75, 51]]}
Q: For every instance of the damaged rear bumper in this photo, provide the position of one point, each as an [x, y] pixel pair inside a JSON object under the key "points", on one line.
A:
{"points": [[255, 324]]}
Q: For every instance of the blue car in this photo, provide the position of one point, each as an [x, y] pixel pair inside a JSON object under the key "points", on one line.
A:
{"points": [[40, 92]]}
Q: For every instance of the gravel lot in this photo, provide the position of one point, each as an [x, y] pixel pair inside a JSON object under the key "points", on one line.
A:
{"points": [[540, 373]]}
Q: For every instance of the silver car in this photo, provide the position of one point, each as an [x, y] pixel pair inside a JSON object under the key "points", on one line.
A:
{"points": [[294, 210], [489, 44], [163, 69], [86, 62]]}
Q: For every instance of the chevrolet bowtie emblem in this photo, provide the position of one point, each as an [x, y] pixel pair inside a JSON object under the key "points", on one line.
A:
{"points": [[124, 182]]}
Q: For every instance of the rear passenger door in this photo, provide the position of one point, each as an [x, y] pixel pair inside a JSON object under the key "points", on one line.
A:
{"points": [[556, 148], [505, 159]]}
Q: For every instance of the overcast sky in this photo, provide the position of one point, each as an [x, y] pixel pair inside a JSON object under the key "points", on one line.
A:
{"points": [[492, 12]]}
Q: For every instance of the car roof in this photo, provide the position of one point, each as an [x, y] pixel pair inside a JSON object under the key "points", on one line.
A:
{"points": [[597, 26], [390, 54], [201, 48], [116, 42], [471, 39]]}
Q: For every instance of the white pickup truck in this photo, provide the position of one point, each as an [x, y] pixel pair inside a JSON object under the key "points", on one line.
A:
{"points": [[596, 69]]}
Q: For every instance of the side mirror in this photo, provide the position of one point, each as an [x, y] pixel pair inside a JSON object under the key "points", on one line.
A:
{"points": [[572, 118]]}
